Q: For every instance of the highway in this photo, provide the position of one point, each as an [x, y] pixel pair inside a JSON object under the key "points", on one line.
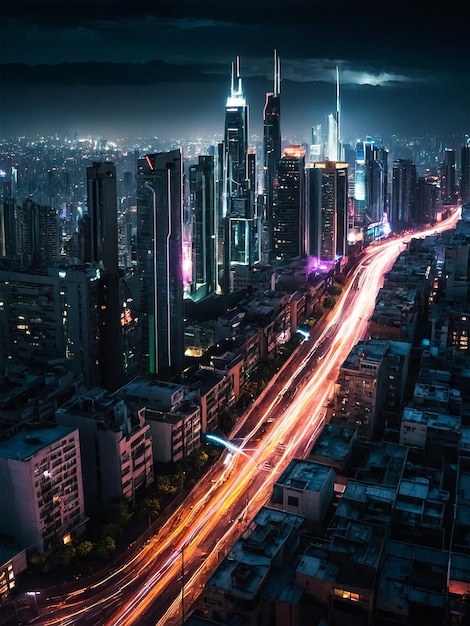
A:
{"points": [[161, 583]]}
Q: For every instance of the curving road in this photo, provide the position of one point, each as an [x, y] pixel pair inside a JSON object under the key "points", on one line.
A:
{"points": [[160, 584]]}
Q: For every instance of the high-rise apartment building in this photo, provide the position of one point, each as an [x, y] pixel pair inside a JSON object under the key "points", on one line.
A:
{"points": [[289, 220], [41, 498], [122, 460], [403, 193], [37, 235], [427, 199], [327, 204], [160, 260]]}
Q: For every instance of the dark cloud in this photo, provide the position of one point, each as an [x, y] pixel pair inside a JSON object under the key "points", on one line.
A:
{"points": [[401, 63]]}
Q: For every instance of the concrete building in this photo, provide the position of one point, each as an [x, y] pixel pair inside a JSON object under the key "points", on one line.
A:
{"points": [[334, 446], [42, 498], [116, 446], [170, 411], [433, 433], [239, 588], [372, 377], [304, 488], [412, 585]]}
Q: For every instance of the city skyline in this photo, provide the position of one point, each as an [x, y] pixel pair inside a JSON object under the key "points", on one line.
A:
{"points": [[117, 69]]}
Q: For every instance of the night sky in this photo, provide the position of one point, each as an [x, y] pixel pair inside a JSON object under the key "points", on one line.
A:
{"points": [[118, 68]]}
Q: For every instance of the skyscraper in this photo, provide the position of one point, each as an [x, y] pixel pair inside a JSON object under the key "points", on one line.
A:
{"points": [[360, 200], [289, 232], [160, 260], [376, 181], [236, 134], [238, 223], [465, 173], [272, 154], [327, 203], [403, 193], [448, 181], [334, 147], [7, 222], [102, 249], [37, 230], [202, 202]]}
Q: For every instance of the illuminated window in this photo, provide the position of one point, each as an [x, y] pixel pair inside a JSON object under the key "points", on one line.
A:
{"points": [[346, 595]]}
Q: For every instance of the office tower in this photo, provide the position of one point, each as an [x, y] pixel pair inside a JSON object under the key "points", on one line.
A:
{"points": [[289, 232], [448, 181], [202, 205], [376, 182], [37, 230], [7, 223], [465, 173], [236, 134], [360, 220], [316, 145], [102, 249], [272, 154], [160, 260], [41, 498], [403, 193], [238, 207], [327, 205]]}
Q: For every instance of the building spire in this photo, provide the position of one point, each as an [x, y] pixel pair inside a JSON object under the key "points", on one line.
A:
{"points": [[277, 74], [338, 117]]}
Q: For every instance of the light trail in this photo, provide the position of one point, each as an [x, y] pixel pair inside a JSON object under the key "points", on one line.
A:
{"points": [[227, 444], [208, 524]]}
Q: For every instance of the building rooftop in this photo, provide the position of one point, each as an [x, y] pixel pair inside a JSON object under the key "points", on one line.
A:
{"points": [[334, 442], [250, 559], [304, 475], [23, 445]]}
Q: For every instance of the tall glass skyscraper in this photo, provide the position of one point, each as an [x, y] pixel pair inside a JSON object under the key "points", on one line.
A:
{"points": [[102, 249], [272, 154], [327, 203], [289, 236], [160, 260], [204, 228]]}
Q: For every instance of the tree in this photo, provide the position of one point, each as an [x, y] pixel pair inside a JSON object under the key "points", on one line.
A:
{"points": [[105, 547], [335, 289], [318, 311], [329, 302], [84, 548], [66, 554], [120, 513], [149, 509]]}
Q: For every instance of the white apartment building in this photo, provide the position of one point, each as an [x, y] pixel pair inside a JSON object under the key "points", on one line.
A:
{"points": [[41, 498]]}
